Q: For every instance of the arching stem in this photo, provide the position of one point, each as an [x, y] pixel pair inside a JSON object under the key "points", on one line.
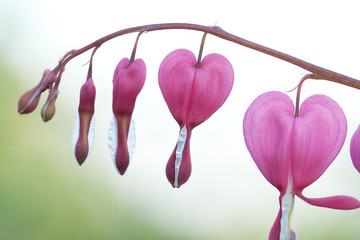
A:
{"points": [[308, 76], [320, 72]]}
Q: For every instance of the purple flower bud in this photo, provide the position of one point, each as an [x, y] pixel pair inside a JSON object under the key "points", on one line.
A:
{"points": [[83, 134]]}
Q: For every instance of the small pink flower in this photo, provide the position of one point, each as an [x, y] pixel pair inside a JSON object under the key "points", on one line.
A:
{"points": [[292, 153], [355, 149], [192, 95], [127, 83], [84, 130]]}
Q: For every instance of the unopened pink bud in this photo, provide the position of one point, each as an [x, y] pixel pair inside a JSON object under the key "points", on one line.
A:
{"points": [[83, 135], [128, 81], [48, 110], [29, 100]]}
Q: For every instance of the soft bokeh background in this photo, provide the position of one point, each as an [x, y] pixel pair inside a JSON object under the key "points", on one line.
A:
{"points": [[44, 194]]}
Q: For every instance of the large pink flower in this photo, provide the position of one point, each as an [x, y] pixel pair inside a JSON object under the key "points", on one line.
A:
{"points": [[292, 153], [192, 94], [127, 83]]}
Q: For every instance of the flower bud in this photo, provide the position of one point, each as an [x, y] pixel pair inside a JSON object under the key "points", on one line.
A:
{"points": [[48, 110], [84, 129], [29, 100], [127, 83]]}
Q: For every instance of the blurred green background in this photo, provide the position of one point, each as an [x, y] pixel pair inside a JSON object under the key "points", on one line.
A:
{"points": [[45, 195]]}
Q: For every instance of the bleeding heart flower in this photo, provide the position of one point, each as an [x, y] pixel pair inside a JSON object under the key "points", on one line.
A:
{"points": [[355, 149], [84, 129], [192, 94], [292, 153], [127, 83]]}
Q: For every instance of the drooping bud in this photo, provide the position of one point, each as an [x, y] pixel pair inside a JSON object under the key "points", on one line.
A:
{"points": [[29, 100], [193, 92], [355, 149], [48, 110], [127, 83], [84, 129]]}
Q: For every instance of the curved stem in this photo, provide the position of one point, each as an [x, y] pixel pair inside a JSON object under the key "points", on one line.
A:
{"points": [[320, 72], [198, 63], [308, 76], [132, 58]]}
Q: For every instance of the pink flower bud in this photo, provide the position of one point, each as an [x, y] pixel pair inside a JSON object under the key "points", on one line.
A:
{"points": [[48, 110], [127, 83], [83, 134], [192, 94], [29, 100]]}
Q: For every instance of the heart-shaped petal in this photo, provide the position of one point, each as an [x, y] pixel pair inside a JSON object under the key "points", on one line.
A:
{"points": [[194, 94], [318, 136], [355, 149], [268, 124]]}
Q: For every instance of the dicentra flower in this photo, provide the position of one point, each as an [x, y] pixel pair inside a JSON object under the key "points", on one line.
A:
{"points": [[293, 152], [128, 81], [193, 93]]}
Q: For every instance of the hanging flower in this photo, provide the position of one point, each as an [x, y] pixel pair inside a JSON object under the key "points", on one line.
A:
{"points": [[193, 93], [129, 78], [84, 129], [293, 152]]}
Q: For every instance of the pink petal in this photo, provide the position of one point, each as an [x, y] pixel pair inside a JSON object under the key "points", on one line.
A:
{"points": [[268, 126], [86, 111], [335, 202], [194, 94], [355, 149], [127, 84], [276, 227], [178, 173], [319, 134]]}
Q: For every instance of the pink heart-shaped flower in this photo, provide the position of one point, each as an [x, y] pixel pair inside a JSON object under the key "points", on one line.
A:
{"points": [[293, 152], [192, 95]]}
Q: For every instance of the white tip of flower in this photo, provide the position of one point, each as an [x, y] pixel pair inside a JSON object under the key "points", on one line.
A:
{"points": [[113, 139], [287, 205], [179, 150], [76, 134]]}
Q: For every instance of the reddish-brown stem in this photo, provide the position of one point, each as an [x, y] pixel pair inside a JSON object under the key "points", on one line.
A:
{"points": [[132, 58], [308, 76], [320, 72], [198, 63]]}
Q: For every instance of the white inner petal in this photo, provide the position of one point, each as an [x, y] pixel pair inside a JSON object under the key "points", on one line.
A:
{"points": [[113, 139], [76, 134], [287, 205], [91, 135], [131, 139], [179, 150]]}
